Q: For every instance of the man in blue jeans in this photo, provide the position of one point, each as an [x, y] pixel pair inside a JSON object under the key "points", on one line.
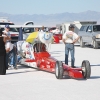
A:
{"points": [[69, 38], [11, 52]]}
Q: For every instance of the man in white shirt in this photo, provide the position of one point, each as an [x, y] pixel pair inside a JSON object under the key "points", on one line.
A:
{"points": [[69, 38], [9, 47]]}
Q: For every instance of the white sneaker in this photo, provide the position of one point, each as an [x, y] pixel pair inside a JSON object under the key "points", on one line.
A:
{"points": [[12, 67]]}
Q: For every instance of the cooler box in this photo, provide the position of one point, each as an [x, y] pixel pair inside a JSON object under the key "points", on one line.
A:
{"points": [[56, 39]]}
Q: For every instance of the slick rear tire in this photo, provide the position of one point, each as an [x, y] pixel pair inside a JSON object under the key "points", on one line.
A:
{"points": [[59, 70], [86, 69]]}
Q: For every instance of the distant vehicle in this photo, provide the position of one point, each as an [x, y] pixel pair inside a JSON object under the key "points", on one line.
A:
{"points": [[56, 32], [90, 34], [14, 29], [52, 28]]}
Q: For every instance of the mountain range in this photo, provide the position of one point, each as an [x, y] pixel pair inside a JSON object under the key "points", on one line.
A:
{"points": [[53, 19]]}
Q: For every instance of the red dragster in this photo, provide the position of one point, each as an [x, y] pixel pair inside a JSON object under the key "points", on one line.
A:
{"points": [[44, 61]]}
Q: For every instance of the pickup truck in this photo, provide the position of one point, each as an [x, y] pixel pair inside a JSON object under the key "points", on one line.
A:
{"points": [[90, 34]]}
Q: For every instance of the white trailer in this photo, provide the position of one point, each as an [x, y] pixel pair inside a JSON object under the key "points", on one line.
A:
{"points": [[78, 24]]}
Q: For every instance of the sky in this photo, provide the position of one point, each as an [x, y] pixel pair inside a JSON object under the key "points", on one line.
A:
{"points": [[48, 6]]}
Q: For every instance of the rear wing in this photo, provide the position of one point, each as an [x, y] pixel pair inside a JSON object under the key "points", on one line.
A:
{"points": [[22, 26]]}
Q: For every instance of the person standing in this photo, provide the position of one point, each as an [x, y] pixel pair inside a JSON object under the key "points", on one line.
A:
{"points": [[42, 29], [3, 53], [10, 49], [36, 29], [6, 33], [69, 38]]}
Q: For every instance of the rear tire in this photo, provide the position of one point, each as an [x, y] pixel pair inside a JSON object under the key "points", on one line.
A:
{"points": [[59, 70], [86, 69], [82, 44]]}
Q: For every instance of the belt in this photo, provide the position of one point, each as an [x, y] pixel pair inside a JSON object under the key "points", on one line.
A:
{"points": [[69, 43]]}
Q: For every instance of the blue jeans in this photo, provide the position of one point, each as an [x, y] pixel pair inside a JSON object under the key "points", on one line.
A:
{"points": [[69, 48], [13, 59], [18, 58]]}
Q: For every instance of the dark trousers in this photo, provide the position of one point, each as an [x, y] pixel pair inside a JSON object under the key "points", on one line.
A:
{"points": [[69, 48]]}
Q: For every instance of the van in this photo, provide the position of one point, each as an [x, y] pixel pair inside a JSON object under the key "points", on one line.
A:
{"points": [[90, 34]]}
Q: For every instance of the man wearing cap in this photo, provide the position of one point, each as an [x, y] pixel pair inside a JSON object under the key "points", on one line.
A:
{"points": [[69, 38], [6, 31], [7, 45], [9, 48]]}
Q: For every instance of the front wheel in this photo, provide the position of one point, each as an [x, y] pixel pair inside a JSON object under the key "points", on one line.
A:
{"points": [[86, 69], [95, 44], [59, 70], [82, 44]]}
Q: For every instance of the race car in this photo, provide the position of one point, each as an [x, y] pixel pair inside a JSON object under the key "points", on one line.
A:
{"points": [[40, 58]]}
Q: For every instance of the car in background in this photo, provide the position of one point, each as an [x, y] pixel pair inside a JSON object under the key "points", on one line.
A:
{"points": [[90, 34], [13, 31], [56, 32]]}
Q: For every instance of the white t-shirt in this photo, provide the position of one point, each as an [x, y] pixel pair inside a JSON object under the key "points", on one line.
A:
{"points": [[9, 45], [70, 36]]}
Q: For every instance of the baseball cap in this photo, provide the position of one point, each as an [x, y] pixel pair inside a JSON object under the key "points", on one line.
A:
{"points": [[72, 26], [7, 26]]}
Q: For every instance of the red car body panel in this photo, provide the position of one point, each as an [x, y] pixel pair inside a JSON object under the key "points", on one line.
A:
{"points": [[59, 36]]}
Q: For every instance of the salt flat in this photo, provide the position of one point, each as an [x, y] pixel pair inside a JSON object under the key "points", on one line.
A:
{"points": [[30, 84]]}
